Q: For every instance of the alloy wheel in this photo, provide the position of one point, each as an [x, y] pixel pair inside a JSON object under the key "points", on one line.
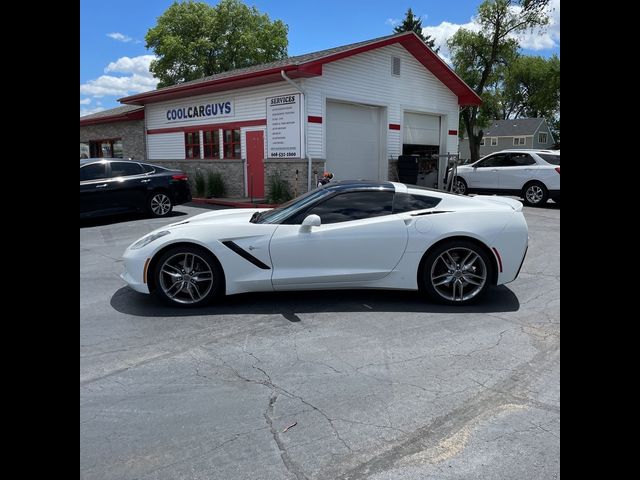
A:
{"points": [[186, 278], [458, 274], [160, 204]]}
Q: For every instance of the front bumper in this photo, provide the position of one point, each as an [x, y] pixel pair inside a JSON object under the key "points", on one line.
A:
{"points": [[133, 273]]}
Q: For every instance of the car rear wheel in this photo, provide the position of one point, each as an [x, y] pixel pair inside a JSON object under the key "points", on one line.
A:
{"points": [[457, 272], [535, 194], [187, 276], [459, 186], [160, 204]]}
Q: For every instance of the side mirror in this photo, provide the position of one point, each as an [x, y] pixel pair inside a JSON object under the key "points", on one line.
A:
{"points": [[310, 221]]}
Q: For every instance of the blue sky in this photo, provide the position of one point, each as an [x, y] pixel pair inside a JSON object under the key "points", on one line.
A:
{"points": [[114, 61]]}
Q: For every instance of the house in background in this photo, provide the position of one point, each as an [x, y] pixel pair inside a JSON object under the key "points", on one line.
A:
{"points": [[511, 133]]}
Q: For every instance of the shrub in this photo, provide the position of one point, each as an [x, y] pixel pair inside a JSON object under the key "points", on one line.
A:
{"points": [[278, 189], [199, 184], [215, 183]]}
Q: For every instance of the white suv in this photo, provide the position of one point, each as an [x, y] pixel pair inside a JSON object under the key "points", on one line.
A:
{"points": [[533, 175]]}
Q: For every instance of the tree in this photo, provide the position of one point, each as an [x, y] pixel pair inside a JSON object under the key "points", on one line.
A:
{"points": [[532, 88], [411, 23], [194, 40], [478, 56]]}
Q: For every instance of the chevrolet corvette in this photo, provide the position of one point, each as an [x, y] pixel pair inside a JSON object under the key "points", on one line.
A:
{"points": [[344, 235]]}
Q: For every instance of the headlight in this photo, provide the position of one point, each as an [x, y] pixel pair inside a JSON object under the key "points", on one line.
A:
{"points": [[148, 239]]}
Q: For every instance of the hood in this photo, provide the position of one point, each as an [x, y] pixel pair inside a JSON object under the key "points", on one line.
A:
{"points": [[227, 216]]}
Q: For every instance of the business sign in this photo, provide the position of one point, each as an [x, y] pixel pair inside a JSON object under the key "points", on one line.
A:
{"points": [[199, 110], [284, 135]]}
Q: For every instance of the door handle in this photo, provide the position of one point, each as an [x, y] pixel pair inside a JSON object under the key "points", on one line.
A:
{"points": [[102, 185], [145, 181]]}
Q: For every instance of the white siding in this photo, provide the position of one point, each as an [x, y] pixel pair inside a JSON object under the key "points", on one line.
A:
{"points": [[366, 78], [249, 104], [166, 146]]}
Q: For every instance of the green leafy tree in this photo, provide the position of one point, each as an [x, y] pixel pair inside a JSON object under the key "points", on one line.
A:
{"points": [[532, 88], [194, 40], [411, 23], [478, 57]]}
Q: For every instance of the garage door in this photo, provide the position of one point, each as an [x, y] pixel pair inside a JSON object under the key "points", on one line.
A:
{"points": [[353, 141], [420, 129]]}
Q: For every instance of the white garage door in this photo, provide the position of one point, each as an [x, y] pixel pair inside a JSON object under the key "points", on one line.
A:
{"points": [[420, 129], [353, 141]]}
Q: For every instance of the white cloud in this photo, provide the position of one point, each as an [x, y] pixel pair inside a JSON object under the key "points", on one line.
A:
{"points": [[85, 101], [119, 37], [392, 21], [139, 80], [539, 39], [89, 111]]}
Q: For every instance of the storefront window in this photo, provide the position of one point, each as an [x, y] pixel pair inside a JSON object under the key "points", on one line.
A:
{"points": [[192, 145], [211, 144], [117, 148], [84, 150], [232, 143], [111, 148]]}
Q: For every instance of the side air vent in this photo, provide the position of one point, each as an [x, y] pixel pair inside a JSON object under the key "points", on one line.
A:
{"points": [[395, 66]]}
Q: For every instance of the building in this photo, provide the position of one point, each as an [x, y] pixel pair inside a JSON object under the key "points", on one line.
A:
{"points": [[511, 133], [118, 133], [350, 110]]}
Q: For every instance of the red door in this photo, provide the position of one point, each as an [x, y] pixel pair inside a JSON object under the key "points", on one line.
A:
{"points": [[255, 163]]}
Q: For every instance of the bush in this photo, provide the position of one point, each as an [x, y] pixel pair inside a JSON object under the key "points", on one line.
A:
{"points": [[215, 183], [200, 187], [278, 189]]}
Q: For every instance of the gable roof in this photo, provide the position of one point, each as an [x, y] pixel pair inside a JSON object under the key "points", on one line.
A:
{"points": [[513, 127], [118, 114], [310, 65]]}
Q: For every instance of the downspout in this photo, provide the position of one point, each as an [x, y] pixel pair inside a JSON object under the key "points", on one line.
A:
{"points": [[306, 124]]}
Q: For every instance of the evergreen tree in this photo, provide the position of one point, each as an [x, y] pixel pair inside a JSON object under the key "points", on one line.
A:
{"points": [[411, 23]]}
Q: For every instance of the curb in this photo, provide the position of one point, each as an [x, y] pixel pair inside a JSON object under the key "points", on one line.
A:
{"points": [[227, 203]]}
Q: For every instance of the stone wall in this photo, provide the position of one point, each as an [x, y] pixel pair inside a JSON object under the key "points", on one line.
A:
{"points": [[131, 133], [286, 169], [232, 172]]}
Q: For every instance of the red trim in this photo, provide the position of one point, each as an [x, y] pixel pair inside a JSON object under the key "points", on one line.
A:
{"points": [[312, 119], [209, 126], [410, 41], [394, 126], [126, 117], [499, 259], [453, 132]]}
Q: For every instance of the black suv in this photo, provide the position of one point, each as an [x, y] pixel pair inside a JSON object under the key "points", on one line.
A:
{"points": [[114, 185]]}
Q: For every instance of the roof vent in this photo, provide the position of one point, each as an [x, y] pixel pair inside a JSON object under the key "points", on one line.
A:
{"points": [[395, 66]]}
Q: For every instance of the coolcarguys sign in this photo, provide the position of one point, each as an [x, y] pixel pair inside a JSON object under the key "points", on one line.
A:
{"points": [[284, 138], [200, 111]]}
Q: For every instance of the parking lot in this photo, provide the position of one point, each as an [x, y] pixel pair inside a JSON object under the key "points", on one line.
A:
{"points": [[318, 385]]}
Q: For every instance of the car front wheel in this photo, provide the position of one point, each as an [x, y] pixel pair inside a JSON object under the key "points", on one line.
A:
{"points": [[535, 194], [160, 204], [187, 276], [457, 272], [459, 186]]}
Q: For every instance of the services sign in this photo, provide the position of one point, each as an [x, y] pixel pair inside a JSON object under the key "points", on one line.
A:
{"points": [[284, 135]]}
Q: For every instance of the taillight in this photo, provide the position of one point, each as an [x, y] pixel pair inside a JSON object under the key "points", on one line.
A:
{"points": [[180, 177], [558, 169]]}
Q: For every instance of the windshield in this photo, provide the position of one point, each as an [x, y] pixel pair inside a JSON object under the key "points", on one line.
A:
{"points": [[550, 158], [277, 215]]}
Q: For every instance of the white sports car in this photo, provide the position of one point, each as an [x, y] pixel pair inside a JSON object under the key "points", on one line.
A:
{"points": [[349, 234]]}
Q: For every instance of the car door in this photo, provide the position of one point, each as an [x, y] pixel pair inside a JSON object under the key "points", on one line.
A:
{"points": [[485, 173], [358, 241], [128, 185], [93, 187], [517, 170]]}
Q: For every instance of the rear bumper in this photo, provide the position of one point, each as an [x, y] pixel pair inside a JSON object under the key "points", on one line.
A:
{"points": [[181, 194], [554, 193]]}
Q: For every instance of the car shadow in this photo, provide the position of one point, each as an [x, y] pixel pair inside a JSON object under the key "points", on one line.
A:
{"points": [[289, 304], [121, 217]]}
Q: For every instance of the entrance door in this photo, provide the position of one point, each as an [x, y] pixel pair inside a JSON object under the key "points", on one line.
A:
{"points": [[255, 163]]}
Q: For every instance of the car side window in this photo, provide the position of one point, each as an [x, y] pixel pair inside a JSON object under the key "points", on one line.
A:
{"points": [[349, 206], [125, 169], [522, 159], [94, 171], [491, 161], [406, 202]]}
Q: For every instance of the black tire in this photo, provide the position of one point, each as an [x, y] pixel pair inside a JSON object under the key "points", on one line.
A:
{"points": [[535, 194], [175, 277], [460, 186], [456, 281], [159, 204]]}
